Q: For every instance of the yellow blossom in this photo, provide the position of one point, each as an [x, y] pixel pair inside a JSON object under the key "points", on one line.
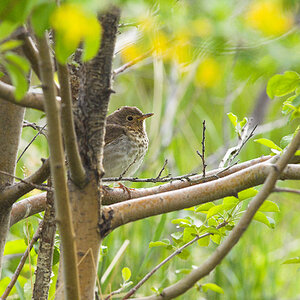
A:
{"points": [[268, 17], [208, 73]]}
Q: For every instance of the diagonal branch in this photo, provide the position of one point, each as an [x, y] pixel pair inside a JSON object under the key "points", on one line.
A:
{"points": [[188, 282]]}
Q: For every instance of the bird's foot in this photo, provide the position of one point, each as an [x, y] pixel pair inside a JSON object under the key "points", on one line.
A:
{"points": [[125, 189]]}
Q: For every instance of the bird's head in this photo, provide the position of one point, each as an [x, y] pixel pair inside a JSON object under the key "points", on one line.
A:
{"points": [[130, 117]]}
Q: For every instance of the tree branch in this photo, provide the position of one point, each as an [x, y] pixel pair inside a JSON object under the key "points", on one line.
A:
{"points": [[27, 207], [188, 281], [31, 100], [136, 209], [12, 193], [58, 171], [75, 165]]}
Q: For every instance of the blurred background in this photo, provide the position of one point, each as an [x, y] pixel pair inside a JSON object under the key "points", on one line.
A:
{"points": [[197, 60]]}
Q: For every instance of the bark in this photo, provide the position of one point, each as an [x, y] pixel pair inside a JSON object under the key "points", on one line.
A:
{"points": [[11, 119], [45, 254]]}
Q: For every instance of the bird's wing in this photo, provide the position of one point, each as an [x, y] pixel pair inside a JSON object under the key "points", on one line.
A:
{"points": [[112, 132]]}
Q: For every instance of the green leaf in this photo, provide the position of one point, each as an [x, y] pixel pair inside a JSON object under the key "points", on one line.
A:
{"points": [[216, 238], [213, 287], [18, 79], [6, 28], [204, 242], [285, 141], [215, 210], [280, 85], [163, 243], [15, 247], [189, 234], [233, 118], [246, 194], [182, 271], [56, 255], [270, 144], [18, 60], [243, 122], [177, 235], [179, 221], [40, 17], [9, 45], [184, 254], [294, 260], [269, 206], [91, 46], [126, 274], [205, 207], [261, 217], [230, 202]]}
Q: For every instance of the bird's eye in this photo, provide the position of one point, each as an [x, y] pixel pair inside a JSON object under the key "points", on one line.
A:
{"points": [[129, 118]]}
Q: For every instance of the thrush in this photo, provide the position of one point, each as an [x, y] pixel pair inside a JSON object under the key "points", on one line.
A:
{"points": [[126, 142]]}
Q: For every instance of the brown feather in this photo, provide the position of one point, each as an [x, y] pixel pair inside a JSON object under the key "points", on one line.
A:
{"points": [[113, 131]]}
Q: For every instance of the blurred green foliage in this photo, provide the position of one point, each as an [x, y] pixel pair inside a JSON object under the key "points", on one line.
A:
{"points": [[209, 58]]}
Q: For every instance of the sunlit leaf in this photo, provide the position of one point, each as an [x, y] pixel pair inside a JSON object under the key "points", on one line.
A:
{"points": [[205, 207], [213, 287], [233, 118], [163, 243], [40, 17], [204, 242], [246, 194], [269, 206], [18, 79], [280, 85], [261, 217], [126, 274], [215, 210], [10, 44], [294, 260], [266, 142], [230, 202]]}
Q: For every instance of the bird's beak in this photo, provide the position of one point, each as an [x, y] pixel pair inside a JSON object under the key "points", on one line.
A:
{"points": [[145, 116]]}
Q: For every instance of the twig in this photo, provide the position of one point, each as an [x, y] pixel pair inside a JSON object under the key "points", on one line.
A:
{"points": [[233, 152], [135, 24], [36, 186], [131, 63], [202, 156], [286, 190], [21, 263], [124, 172], [153, 180], [32, 140], [162, 169], [178, 251]]}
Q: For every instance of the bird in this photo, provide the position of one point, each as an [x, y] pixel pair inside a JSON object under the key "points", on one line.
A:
{"points": [[126, 142]]}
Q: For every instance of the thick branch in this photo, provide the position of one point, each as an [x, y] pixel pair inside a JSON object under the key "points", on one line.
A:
{"points": [[188, 281], [77, 172], [58, 171], [27, 207], [129, 211], [31, 100]]}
